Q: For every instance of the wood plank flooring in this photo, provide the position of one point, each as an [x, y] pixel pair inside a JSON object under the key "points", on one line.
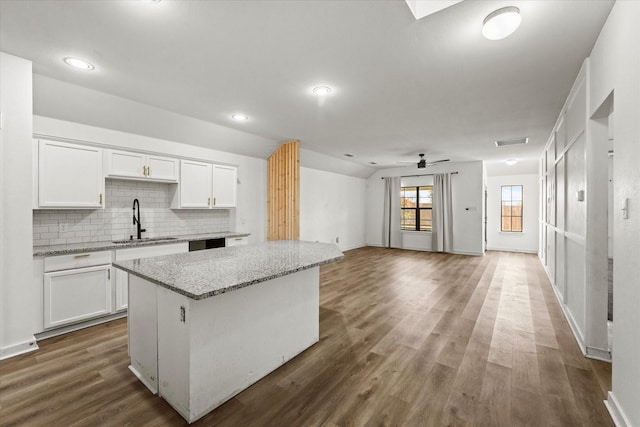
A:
{"points": [[406, 338]]}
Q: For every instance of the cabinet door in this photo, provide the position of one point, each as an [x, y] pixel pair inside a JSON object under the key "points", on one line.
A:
{"points": [[122, 289], [162, 168], [224, 186], [74, 295], [125, 164], [195, 184], [69, 176]]}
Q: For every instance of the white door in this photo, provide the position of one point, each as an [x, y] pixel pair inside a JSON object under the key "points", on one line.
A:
{"points": [[224, 186], [74, 295], [69, 176], [195, 184], [162, 168], [125, 164]]}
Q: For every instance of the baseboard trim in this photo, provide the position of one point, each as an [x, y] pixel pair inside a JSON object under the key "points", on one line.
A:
{"points": [[77, 326], [350, 248], [617, 414], [571, 321], [525, 251], [599, 354], [18, 349]]}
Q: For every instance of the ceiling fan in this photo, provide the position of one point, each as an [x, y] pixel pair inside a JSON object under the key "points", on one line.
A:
{"points": [[423, 162]]}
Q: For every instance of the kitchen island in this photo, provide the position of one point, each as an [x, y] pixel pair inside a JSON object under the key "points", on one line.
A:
{"points": [[205, 325]]}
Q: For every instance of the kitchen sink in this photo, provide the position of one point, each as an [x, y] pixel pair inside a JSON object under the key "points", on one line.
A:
{"points": [[145, 239]]}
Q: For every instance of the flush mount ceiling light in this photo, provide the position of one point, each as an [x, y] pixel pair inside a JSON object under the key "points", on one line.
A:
{"points": [[240, 117], [349, 155], [511, 162], [321, 90], [501, 23], [79, 63]]}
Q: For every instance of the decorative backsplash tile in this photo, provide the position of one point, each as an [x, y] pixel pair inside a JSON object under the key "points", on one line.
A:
{"points": [[115, 221]]}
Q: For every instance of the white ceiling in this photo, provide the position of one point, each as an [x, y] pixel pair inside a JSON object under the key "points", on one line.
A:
{"points": [[401, 86]]}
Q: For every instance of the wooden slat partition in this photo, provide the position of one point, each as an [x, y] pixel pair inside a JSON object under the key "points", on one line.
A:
{"points": [[283, 192]]}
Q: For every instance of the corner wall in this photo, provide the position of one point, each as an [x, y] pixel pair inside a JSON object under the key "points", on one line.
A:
{"points": [[468, 198], [615, 68], [16, 253], [525, 241], [332, 206]]}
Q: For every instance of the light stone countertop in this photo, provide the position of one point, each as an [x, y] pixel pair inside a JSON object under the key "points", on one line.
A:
{"points": [[211, 272], [74, 248]]}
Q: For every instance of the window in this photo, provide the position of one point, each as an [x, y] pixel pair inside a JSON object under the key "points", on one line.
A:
{"points": [[511, 208], [415, 203]]}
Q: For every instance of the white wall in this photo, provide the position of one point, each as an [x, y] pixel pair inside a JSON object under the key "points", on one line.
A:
{"points": [[615, 67], [250, 213], [527, 240], [332, 206], [467, 194], [16, 295]]}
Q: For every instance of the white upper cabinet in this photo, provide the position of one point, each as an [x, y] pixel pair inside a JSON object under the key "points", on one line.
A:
{"points": [[195, 185], [130, 165], [69, 176], [224, 186], [205, 186]]}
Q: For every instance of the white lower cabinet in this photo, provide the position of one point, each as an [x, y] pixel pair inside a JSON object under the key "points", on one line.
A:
{"points": [[77, 294], [236, 241], [122, 277]]}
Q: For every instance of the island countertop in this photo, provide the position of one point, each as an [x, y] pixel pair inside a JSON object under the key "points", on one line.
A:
{"points": [[207, 273]]}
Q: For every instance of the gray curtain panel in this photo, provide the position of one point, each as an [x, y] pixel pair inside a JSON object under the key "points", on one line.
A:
{"points": [[442, 234], [391, 237]]}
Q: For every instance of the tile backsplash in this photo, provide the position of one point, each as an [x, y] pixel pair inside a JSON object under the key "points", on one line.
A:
{"points": [[115, 221]]}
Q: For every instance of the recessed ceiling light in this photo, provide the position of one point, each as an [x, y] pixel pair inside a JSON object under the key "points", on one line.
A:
{"points": [[79, 63], [501, 23], [240, 117], [349, 155], [511, 162], [322, 90], [372, 163]]}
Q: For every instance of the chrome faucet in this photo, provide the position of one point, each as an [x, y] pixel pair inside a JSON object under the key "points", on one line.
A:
{"points": [[136, 221]]}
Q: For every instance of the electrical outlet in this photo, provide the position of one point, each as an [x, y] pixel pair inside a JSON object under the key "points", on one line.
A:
{"points": [[337, 240], [62, 228]]}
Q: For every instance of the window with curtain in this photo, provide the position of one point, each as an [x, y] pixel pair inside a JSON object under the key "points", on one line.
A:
{"points": [[416, 204], [511, 208]]}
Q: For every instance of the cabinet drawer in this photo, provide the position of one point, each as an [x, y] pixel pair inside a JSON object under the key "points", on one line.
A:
{"points": [[150, 251], [237, 241], [85, 259]]}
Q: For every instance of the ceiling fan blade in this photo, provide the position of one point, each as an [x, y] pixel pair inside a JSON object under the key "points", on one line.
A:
{"points": [[408, 163], [438, 161]]}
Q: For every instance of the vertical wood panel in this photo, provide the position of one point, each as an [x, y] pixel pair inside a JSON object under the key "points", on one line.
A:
{"points": [[283, 189]]}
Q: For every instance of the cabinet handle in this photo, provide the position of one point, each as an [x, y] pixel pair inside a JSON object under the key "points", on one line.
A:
{"points": [[214, 201], [100, 198], [144, 170], [109, 274], [148, 170], [209, 201], [82, 256]]}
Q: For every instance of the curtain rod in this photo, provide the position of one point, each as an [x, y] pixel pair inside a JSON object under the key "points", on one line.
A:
{"points": [[411, 176]]}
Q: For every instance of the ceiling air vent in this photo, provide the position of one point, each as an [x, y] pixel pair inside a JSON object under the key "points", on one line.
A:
{"points": [[515, 141]]}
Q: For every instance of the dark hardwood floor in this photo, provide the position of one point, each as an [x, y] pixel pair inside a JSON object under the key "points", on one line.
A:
{"points": [[406, 338]]}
